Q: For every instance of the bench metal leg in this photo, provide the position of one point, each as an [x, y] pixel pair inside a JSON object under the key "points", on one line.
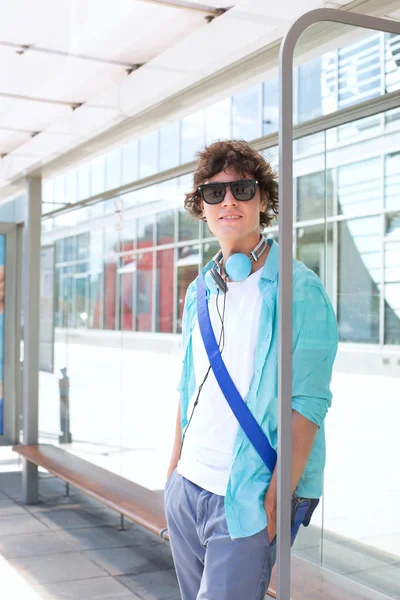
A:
{"points": [[67, 490], [122, 524]]}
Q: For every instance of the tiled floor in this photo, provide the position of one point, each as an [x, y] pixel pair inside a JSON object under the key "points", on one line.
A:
{"points": [[71, 549]]}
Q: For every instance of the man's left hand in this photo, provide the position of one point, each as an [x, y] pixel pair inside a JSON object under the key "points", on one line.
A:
{"points": [[270, 509]]}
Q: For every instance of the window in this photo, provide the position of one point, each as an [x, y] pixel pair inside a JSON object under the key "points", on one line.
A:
{"points": [[315, 250], [359, 280], [145, 231], [188, 268], [392, 62], [359, 187], [270, 106], [392, 181], [84, 190], [110, 292], [71, 184], [310, 92], [166, 227], [130, 162], [359, 71], [165, 291], [127, 271], [246, 116], [144, 298], [169, 146], [188, 228], [392, 279], [113, 169], [192, 135], [148, 155], [218, 121], [95, 300], [314, 195]]}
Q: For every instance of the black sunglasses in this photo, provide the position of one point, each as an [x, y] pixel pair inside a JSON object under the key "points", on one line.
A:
{"points": [[214, 193]]}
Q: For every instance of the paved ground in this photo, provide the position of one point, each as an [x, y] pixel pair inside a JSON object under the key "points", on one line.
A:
{"points": [[71, 549]]}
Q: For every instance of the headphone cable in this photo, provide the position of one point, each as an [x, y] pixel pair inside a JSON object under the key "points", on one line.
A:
{"points": [[221, 337]]}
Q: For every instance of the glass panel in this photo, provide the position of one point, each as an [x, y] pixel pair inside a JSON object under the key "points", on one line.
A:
{"points": [[246, 118], [270, 106], [95, 300], [192, 135], [360, 73], [210, 249], [69, 249], [59, 191], [165, 291], [98, 185], [81, 293], [360, 187], [111, 240], [188, 228], [82, 246], [144, 291], [67, 287], [359, 279], [128, 235], [148, 155], [130, 162], [169, 146], [84, 190], [206, 230], [110, 291], [315, 250], [314, 195], [2, 280], [98, 175], [166, 227], [96, 250], [392, 279], [363, 127], [392, 181], [311, 144], [218, 121], [310, 90], [71, 181], [113, 169], [188, 268], [145, 231], [128, 283], [48, 197], [392, 62]]}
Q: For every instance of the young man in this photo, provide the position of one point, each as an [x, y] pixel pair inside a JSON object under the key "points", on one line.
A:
{"points": [[220, 497]]}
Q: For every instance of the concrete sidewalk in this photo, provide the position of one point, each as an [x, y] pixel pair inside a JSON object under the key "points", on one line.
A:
{"points": [[70, 548]]}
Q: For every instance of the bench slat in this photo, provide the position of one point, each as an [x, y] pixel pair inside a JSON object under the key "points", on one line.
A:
{"points": [[138, 503]]}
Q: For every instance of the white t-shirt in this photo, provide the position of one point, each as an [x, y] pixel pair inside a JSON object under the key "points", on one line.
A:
{"points": [[210, 435]]}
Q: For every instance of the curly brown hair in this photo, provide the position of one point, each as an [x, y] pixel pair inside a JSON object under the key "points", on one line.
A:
{"points": [[237, 155]]}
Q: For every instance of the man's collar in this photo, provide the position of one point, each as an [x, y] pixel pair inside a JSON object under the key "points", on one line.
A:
{"points": [[270, 268]]}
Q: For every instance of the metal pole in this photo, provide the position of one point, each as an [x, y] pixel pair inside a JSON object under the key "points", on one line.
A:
{"points": [[31, 308], [285, 265]]}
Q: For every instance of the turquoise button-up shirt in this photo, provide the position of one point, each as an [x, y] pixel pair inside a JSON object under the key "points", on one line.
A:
{"points": [[315, 340]]}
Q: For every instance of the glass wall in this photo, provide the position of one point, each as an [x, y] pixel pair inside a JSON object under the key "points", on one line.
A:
{"points": [[122, 275]]}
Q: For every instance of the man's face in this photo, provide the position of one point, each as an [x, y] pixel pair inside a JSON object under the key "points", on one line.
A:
{"points": [[233, 219]]}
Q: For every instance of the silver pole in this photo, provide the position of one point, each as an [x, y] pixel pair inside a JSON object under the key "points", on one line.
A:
{"points": [[31, 290], [285, 265]]}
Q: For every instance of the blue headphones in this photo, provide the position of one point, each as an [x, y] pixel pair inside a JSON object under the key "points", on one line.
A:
{"points": [[237, 267]]}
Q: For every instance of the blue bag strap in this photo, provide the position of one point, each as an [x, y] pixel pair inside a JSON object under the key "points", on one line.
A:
{"points": [[240, 409]]}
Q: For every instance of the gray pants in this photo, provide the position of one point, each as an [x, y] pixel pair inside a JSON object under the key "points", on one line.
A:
{"points": [[208, 563]]}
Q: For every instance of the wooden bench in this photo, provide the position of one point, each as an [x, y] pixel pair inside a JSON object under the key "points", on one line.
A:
{"points": [[146, 507]]}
